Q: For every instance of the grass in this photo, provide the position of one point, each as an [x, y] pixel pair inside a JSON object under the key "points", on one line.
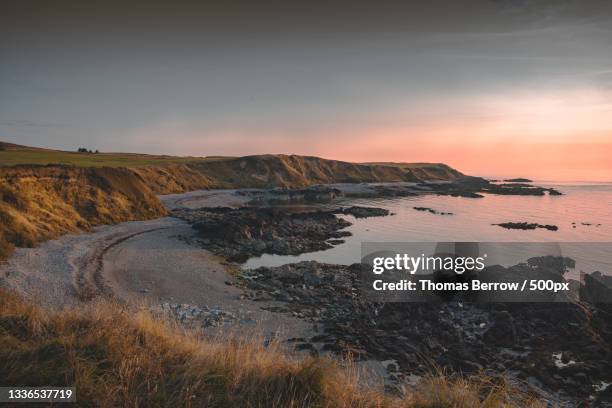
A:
{"points": [[14, 155], [116, 357], [18, 155]]}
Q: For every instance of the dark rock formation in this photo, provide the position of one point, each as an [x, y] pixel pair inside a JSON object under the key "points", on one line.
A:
{"points": [[363, 212], [431, 210], [313, 194], [519, 189], [471, 186], [597, 289], [526, 226], [518, 180], [385, 191], [238, 234]]}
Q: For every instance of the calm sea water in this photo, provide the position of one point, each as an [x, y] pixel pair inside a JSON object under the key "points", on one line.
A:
{"points": [[581, 203]]}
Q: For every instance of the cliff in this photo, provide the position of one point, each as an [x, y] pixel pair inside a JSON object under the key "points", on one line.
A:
{"points": [[300, 171], [46, 193], [39, 203], [264, 171]]}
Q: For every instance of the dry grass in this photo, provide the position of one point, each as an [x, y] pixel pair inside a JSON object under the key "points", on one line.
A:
{"points": [[13, 155], [37, 204], [40, 199], [116, 358]]}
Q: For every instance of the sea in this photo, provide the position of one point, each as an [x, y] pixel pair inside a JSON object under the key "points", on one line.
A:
{"points": [[583, 215]]}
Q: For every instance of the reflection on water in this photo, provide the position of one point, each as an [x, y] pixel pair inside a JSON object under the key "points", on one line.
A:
{"points": [[472, 219]]}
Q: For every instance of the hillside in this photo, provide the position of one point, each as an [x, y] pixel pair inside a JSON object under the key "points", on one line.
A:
{"points": [[300, 171], [46, 193], [13, 155], [117, 359], [39, 203], [172, 174]]}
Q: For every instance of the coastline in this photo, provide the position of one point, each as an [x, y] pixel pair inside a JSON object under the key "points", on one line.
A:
{"points": [[131, 262]]}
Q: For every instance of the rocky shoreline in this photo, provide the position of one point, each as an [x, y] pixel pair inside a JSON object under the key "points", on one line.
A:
{"points": [[474, 187], [559, 347], [240, 233], [518, 340], [469, 187]]}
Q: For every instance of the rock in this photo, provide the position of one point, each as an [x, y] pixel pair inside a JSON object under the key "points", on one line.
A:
{"points": [[503, 331], [194, 315], [597, 288], [311, 194], [240, 233], [518, 180], [557, 263], [312, 277], [364, 212], [519, 189], [431, 210], [458, 335], [526, 226], [390, 365]]}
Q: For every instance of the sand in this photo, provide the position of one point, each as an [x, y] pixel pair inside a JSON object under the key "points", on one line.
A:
{"points": [[141, 263]]}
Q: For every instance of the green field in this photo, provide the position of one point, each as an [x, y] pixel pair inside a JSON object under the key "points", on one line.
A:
{"points": [[13, 155]]}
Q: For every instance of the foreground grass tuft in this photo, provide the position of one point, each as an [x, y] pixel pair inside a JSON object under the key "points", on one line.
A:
{"points": [[117, 358]]}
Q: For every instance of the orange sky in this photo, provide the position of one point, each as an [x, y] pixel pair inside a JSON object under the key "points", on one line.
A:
{"points": [[559, 135], [563, 135], [499, 88]]}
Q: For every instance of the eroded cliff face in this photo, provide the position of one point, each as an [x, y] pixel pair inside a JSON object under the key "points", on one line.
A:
{"points": [[39, 203], [266, 171], [173, 178], [293, 171]]}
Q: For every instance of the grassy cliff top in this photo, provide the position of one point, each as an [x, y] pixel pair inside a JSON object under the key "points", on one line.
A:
{"points": [[13, 155], [16, 155]]}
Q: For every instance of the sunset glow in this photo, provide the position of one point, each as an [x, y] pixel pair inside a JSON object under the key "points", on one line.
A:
{"points": [[546, 136], [503, 88]]}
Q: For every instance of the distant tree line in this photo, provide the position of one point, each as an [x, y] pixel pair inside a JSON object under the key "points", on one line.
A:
{"points": [[84, 150]]}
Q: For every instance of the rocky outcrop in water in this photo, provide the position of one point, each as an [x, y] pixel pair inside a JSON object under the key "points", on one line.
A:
{"points": [[526, 226], [518, 180], [314, 194], [471, 187], [519, 189], [432, 211], [463, 186], [363, 212]]}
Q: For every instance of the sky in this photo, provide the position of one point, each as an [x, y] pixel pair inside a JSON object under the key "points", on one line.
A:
{"points": [[491, 87]]}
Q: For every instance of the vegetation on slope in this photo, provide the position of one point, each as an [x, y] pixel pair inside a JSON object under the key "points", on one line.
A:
{"points": [[14, 155], [39, 203], [300, 171], [171, 174], [41, 197], [115, 358]]}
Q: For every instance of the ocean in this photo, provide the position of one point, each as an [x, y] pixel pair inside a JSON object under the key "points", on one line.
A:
{"points": [[583, 215]]}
